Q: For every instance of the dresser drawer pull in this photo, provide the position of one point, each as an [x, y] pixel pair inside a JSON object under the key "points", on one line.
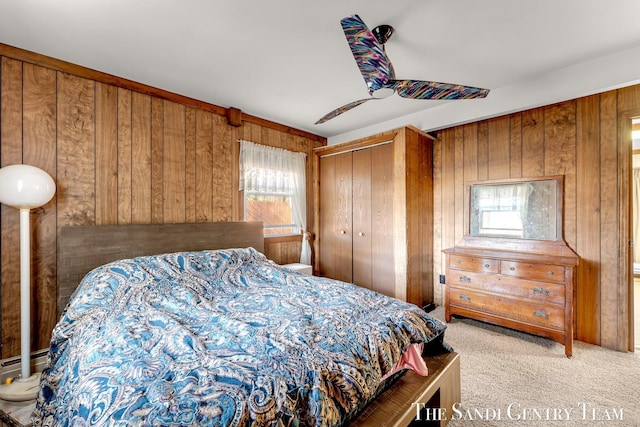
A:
{"points": [[541, 291], [541, 314], [487, 266], [465, 298], [465, 279], [458, 261], [512, 268], [550, 273]]}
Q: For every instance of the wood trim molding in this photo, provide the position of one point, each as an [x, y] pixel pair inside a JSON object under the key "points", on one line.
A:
{"points": [[367, 142], [99, 76], [277, 126], [234, 116], [625, 339], [356, 144]]}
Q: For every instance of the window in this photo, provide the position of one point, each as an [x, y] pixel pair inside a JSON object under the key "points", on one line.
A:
{"points": [[275, 210], [274, 187]]}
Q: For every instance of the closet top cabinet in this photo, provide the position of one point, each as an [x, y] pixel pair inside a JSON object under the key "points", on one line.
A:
{"points": [[375, 219]]}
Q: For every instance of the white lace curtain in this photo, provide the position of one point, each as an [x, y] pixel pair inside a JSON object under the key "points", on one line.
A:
{"points": [[275, 170], [509, 197]]}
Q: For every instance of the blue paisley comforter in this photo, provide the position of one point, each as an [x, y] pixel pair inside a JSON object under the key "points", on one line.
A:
{"points": [[220, 338]]}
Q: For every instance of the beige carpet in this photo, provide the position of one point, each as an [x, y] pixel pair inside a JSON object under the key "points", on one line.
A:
{"points": [[512, 378]]}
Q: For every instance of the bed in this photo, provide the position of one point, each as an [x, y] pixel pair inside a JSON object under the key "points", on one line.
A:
{"points": [[208, 336]]}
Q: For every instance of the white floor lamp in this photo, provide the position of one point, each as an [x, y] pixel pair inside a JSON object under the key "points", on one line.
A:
{"points": [[24, 187]]}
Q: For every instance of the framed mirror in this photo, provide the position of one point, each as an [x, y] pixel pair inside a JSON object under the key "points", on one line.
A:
{"points": [[528, 209]]}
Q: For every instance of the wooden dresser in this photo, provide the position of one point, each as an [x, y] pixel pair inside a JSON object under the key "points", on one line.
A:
{"points": [[528, 291], [513, 268]]}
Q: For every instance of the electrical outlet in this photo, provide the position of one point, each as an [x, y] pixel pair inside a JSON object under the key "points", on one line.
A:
{"points": [[442, 279]]}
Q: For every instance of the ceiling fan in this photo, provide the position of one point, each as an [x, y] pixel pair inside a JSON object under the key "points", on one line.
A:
{"points": [[368, 50]]}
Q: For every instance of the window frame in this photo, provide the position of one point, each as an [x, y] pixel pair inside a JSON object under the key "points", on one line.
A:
{"points": [[293, 226]]}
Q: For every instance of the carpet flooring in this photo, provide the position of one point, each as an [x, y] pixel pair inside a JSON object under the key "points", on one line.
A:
{"points": [[512, 378]]}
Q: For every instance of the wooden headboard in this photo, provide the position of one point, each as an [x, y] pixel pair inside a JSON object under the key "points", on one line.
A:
{"points": [[83, 248]]}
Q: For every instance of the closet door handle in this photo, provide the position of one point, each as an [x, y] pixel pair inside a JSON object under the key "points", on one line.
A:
{"points": [[361, 234], [343, 232]]}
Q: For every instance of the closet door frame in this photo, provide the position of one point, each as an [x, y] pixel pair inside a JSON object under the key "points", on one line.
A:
{"points": [[330, 264]]}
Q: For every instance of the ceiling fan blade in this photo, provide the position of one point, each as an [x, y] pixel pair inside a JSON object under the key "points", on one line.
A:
{"points": [[341, 110], [419, 89], [369, 54], [368, 49]]}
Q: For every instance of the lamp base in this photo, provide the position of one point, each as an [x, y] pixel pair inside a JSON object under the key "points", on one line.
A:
{"points": [[21, 389]]}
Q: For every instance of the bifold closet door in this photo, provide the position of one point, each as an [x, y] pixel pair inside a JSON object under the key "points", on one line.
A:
{"points": [[362, 172], [382, 211], [336, 217], [373, 219]]}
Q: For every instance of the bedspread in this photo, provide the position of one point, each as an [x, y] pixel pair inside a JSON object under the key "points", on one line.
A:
{"points": [[220, 338]]}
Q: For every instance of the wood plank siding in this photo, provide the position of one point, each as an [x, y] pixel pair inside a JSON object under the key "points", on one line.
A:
{"points": [[588, 140], [121, 153]]}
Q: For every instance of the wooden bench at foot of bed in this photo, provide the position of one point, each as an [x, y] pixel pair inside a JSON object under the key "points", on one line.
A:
{"points": [[439, 391]]}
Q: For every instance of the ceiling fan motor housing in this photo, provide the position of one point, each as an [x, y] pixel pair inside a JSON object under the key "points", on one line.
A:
{"points": [[382, 93], [382, 33]]}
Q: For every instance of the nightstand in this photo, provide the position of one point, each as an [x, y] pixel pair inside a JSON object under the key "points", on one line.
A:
{"points": [[302, 268]]}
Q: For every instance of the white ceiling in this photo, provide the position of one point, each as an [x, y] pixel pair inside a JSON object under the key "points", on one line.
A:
{"points": [[288, 60]]}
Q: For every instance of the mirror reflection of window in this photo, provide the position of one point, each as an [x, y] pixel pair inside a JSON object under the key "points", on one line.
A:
{"points": [[507, 223], [523, 210]]}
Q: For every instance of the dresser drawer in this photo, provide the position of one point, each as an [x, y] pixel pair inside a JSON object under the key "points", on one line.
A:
{"points": [[469, 263], [545, 272], [550, 293], [549, 316]]}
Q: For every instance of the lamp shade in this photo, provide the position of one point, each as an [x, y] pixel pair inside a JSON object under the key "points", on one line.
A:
{"points": [[25, 186]]}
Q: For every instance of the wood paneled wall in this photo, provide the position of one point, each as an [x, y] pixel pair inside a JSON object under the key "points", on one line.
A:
{"points": [[588, 140], [120, 153]]}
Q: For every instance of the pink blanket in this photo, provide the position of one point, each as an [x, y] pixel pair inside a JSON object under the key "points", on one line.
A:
{"points": [[411, 359]]}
